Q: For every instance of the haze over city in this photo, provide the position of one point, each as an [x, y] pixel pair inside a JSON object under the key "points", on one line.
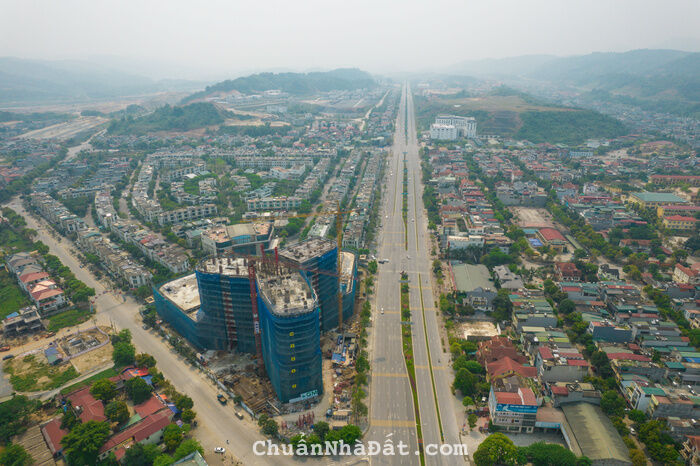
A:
{"points": [[370, 233], [184, 39]]}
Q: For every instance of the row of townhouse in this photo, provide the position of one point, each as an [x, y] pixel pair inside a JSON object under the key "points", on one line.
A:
{"points": [[44, 293], [104, 208], [152, 245], [521, 193], [118, 263], [314, 180], [56, 213], [178, 173], [268, 163], [207, 192], [355, 229], [152, 211]]}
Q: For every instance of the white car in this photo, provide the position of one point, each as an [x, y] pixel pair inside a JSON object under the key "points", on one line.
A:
{"points": [[382, 310], [219, 450]]}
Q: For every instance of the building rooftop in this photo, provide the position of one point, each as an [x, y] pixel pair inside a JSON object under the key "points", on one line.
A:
{"points": [[594, 434], [669, 198], [470, 277], [287, 293], [225, 265], [308, 249], [183, 292]]}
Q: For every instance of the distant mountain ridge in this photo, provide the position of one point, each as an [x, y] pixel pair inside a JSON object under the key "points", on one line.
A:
{"points": [[35, 81], [664, 80], [292, 83]]}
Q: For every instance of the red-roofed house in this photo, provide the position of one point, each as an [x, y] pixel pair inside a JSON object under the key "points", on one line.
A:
{"points": [[556, 365], [551, 237], [28, 279], [680, 223], [567, 272], [147, 431], [85, 406], [498, 348], [683, 274], [506, 367], [513, 408], [53, 434], [148, 407], [628, 357]]}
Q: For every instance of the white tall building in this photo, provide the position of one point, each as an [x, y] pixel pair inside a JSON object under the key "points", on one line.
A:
{"points": [[464, 127], [443, 132]]}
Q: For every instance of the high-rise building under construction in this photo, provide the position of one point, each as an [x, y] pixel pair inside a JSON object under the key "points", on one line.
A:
{"points": [[276, 311]]}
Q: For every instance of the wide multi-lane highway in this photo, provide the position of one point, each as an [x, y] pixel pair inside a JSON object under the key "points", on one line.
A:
{"points": [[391, 405]]}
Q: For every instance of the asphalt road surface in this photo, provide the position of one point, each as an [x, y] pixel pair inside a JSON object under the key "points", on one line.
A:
{"points": [[391, 404], [217, 423]]}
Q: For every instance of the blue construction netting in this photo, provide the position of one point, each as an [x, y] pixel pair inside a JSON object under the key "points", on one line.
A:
{"points": [[292, 353]]}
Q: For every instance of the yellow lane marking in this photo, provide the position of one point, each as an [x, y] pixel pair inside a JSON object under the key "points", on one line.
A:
{"points": [[392, 423]]}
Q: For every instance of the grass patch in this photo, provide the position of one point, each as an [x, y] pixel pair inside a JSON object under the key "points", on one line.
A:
{"points": [[407, 345], [11, 295], [430, 364], [404, 209], [30, 374], [111, 372], [68, 319], [12, 242]]}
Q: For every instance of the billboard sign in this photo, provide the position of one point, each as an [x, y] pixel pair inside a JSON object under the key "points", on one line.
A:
{"points": [[519, 409]]}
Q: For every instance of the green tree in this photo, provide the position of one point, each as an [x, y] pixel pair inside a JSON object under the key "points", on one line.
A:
{"points": [[145, 360], [140, 455], [372, 267], [638, 457], [117, 411], [186, 447], [172, 437], [14, 416], [637, 416], [163, 460], [496, 449], [137, 390], [188, 416], [69, 419], [321, 428], [465, 382], [104, 390], [123, 353], [612, 403], [350, 433], [15, 455], [472, 420], [184, 402], [550, 454], [82, 444], [467, 401]]}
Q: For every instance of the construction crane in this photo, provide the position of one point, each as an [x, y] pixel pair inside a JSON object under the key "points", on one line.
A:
{"points": [[339, 242]]}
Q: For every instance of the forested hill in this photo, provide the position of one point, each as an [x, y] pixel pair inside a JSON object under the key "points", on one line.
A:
{"points": [[292, 83], [167, 118]]}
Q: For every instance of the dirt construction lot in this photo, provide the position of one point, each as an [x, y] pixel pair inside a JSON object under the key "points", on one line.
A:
{"points": [[92, 359], [531, 217]]}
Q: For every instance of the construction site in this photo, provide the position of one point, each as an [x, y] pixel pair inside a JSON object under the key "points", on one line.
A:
{"points": [[257, 323]]}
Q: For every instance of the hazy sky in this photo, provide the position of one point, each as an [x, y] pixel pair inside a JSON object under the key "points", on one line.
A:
{"points": [[214, 37]]}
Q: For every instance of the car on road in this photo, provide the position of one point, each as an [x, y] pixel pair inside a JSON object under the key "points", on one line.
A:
{"points": [[5, 348], [9, 356], [382, 310], [239, 415], [221, 398], [219, 450]]}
